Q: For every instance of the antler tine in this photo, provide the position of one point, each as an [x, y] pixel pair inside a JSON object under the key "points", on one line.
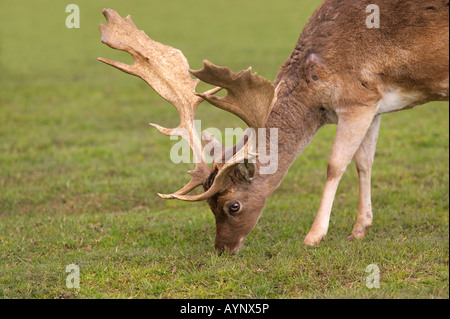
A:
{"points": [[166, 70]]}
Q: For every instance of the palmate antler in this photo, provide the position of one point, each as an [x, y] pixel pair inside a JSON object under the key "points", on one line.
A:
{"points": [[250, 96], [166, 70]]}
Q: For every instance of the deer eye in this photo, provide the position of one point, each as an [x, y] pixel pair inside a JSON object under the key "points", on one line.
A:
{"points": [[234, 207]]}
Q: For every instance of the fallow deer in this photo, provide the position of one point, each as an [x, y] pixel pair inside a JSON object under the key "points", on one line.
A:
{"points": [[340, 72]]}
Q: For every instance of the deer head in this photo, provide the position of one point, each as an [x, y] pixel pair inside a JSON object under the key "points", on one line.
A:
{"points": [[230, 185]]}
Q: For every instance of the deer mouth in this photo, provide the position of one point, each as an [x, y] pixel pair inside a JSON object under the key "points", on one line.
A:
{"points": [[230, 249]]}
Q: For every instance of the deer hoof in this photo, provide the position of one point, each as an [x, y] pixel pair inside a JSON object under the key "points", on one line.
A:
{"points": [[313, 240], [359, 232]]}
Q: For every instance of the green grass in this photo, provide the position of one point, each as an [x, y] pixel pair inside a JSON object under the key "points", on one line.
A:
{"points": [[80, 169]]}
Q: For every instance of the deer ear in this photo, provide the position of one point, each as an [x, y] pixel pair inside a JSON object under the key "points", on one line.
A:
{"points": [[247, 170]]}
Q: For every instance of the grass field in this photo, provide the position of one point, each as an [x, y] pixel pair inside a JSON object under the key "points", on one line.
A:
{"points": [[80, 169]]}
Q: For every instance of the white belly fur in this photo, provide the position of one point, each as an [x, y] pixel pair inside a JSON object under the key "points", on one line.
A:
{"points": [[397, 99]]}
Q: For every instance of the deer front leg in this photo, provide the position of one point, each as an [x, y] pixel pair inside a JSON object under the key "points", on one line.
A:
{"points": [[351, 130], [364, 159]]}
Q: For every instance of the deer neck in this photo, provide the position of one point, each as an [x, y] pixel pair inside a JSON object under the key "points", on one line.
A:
{"points": [[296, 122]]}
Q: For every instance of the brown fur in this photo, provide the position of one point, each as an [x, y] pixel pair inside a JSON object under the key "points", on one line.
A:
{"points": [[336, 73]]}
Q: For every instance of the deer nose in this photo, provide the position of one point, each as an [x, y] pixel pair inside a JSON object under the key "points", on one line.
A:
{"points": [[226, 249], [231, 249]]}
